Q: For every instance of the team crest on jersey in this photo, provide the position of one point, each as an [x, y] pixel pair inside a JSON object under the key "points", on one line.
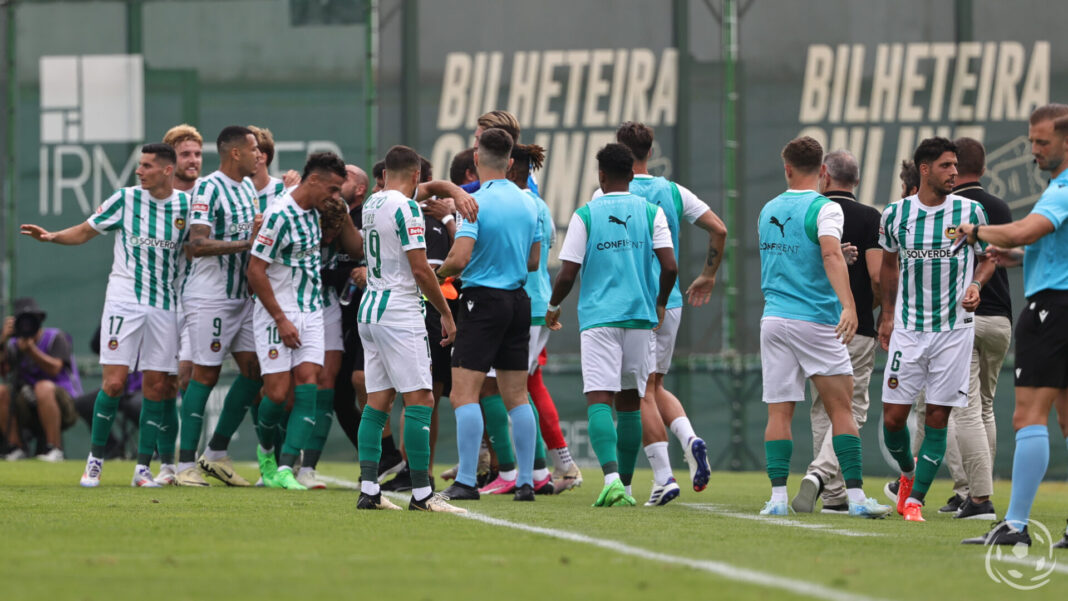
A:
{"points": [[179, 223], [272, 354], [892, 382], [216, 346], [113, 343], [951, 231]]}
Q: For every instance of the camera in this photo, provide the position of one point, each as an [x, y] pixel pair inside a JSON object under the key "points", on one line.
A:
{"points": [[27, 325]]}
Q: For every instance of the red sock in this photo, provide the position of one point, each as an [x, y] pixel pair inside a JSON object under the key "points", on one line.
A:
{"points": [[548, 419]]}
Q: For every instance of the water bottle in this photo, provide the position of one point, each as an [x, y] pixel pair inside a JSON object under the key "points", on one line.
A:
{"points": [[348, 292]]}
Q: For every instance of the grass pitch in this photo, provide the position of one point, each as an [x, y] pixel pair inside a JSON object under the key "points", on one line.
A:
{"points": [[116, 542]]}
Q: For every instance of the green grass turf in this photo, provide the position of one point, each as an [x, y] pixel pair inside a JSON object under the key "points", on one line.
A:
{"points": [[115, 542]]}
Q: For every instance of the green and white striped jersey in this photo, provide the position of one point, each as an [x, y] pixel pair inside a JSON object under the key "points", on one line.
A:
{"points": [[228, 207], [392, 225], [274, 188], [933, 280], [289, 240], [148, 247]]}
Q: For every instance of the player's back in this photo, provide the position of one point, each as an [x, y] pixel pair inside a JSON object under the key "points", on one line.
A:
{"points": [[392, 225]]}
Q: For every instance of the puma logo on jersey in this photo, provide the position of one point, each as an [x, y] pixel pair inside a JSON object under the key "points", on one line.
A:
{"points": [[1042, 315], [614, 219], [782, 226], [470, 306], [1017, 372]]}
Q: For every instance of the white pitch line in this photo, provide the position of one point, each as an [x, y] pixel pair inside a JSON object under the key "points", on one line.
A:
{"points": [[1058, 567], [719, 568], [777, 520]]}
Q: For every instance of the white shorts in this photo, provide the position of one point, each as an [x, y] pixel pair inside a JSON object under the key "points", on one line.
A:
{"points": [[396, 357], [664, 339], [217, 328], [792, 350], [539, 337], [938, 363], [615, 359], [275, 357], [333, 340], [185, 347], [139, 337]]}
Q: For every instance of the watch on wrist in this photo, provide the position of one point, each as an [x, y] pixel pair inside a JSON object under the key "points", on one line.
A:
{"points": [[553, 308]]}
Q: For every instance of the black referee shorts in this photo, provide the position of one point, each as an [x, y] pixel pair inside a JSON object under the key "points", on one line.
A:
{"points": [[1042, 341], [493, 329], [440, 356]]}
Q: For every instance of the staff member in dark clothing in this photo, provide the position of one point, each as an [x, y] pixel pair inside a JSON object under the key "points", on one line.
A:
{"points": [[840, 177]]}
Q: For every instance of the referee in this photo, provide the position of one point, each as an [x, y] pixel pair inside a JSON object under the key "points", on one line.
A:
{"points": [[1042, 328], [495, 254]]}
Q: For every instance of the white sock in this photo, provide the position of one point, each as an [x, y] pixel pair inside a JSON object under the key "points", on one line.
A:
{"points": [[264, 451], [285, 468], [422, 493], [562, 458], [610, 478], [778, 494], [100, 459], [140, 467], [168, 466], [541, 474], [304, 470], [658, 459], [184, 465], [212, 455], [913, 500], [627, 488], [510, 475], [909, 475], [369, 487], [683, 430], [856, 495]]}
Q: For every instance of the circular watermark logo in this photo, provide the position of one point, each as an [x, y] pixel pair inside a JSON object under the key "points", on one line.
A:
{"points": [[1023, 567]]}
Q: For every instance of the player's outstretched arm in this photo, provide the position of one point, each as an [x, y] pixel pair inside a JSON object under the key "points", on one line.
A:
{"points": [[700, 289], [459, 257], [428, 283], [201, 244], [74, 235], [466, 204], [889, 277], [835, 266], [565, 280], [1008, 235], [260, 285]]}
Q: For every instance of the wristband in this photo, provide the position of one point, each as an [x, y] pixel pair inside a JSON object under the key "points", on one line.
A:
{"points": [[978, 283], [446, 219], [553, 308]]}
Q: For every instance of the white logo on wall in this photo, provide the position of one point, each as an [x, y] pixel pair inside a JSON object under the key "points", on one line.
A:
{"points": [[92, 99]]}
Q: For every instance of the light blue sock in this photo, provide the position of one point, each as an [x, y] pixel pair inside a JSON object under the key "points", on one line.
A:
{"points": [[525, 433], [1029, 463], [468, 441]]}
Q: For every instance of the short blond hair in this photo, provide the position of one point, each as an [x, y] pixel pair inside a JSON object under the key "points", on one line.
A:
{"points": [[502, 120], [182, 133], [265, 140]]}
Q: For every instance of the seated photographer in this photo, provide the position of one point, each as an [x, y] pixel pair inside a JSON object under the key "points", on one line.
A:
{"points": [[42, 382]]}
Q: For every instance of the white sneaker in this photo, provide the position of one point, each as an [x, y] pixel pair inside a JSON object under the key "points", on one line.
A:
{"points": [[310, 479], [53, 456], [775, 508], [142, 477], [662, 495], [91, 476], [166, 475], [15, 455]]}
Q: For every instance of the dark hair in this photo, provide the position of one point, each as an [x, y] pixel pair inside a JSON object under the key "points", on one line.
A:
{"points": [[162, 151], [930, 149], [401, 158], [461, 164], [638, 137], [495, 148], [229, 136], [327, 162], [804, 154], [525, 158], [500, 119], [910, 175], [426, 170], [971, 156], [617, 162], [378, 169], [1049, 112]]}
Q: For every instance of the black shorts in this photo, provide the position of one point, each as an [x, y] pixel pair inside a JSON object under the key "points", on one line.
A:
{"points": [[1042, 341], [440, 356], [493, 329], [351, 334]]}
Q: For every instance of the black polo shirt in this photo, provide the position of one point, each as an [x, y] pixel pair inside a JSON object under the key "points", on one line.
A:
{"points": [[861, 230], [994, 298]]}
